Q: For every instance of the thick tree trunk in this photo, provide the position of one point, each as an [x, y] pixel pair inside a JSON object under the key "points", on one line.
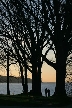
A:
{"points": [[39, 71], [34, 73], [39, 77], [60, 72], [34, 78]]}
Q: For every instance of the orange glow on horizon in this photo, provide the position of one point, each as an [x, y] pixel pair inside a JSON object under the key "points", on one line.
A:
{"points": [[48, 73]]}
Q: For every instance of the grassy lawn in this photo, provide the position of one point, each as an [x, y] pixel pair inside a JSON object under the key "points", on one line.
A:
{"points": [[32, 100]]}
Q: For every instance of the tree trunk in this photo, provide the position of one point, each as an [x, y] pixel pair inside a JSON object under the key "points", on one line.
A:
{"points": [[7, 74], [39, 77], [26, 86], [34, 73], [34, 78], [39, 71], [22, 76], [60, 71]]}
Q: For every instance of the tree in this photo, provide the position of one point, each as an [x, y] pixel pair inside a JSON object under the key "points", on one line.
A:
{"points": [[58, 23], [20, 31], [7, 56], [56, 16], [53, 19]]}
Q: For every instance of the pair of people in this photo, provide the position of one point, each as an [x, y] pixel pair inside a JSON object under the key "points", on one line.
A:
{"points": [[47, 92]]}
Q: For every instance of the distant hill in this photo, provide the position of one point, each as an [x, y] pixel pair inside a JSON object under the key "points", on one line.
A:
{"points": [[12, 79]]}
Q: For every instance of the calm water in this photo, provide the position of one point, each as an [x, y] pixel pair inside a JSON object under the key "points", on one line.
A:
{"points": [[16, 88]]}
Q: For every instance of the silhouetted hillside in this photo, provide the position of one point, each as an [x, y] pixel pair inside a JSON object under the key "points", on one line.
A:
{"points": [[12, 79]]}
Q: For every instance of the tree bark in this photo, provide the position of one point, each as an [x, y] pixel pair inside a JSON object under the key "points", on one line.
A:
{"points": [[34, 73], [60, 71], [39, 71], [34, 78], [39, 77]]}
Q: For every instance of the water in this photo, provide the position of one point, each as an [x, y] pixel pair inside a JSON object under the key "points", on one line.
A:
{"points": [[16, 88]]}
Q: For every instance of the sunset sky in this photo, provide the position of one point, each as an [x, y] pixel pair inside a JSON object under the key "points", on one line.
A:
{"points": [[48, 73]]}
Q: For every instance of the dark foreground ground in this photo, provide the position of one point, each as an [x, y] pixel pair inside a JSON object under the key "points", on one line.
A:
{"points": [[68, 106], [23, 101]]}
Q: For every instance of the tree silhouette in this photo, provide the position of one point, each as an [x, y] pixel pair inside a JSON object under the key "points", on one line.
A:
{"points": [[58, 23], [39, 24], [21, 30]]}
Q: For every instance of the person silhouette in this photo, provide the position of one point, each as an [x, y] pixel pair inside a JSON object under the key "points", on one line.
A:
{"points": [[46, 92]]}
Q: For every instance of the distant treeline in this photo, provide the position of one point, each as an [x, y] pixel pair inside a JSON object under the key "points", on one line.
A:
{"points": [[12, 79]]}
